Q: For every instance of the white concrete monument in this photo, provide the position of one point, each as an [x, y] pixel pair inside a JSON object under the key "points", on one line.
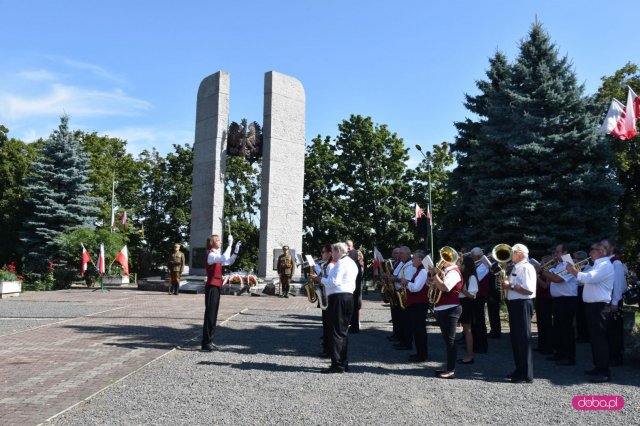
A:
{"points": [[282, 168]]}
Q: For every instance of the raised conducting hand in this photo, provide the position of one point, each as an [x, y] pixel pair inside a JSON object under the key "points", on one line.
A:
{"points": [[238, 244]]}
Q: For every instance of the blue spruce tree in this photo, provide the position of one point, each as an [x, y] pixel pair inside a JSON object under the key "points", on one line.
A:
{"points": [[57, 197]]}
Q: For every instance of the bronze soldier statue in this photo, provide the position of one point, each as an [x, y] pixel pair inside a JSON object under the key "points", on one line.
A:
{"points": [[176, 266], [286, 266]]}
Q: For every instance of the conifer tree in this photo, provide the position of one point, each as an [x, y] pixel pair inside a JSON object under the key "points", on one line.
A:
{"points": [[546, 167], [57, 196]]}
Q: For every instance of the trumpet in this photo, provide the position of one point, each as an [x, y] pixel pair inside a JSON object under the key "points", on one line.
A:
{"points": [[448, 255], [578, 265]]}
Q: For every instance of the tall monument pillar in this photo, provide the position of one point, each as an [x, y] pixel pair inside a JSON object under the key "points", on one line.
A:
{"points": [[282, 169], [209, 163]]}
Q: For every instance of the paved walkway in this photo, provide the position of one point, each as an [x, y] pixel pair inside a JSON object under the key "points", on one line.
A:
{"points": [[58, 348]]}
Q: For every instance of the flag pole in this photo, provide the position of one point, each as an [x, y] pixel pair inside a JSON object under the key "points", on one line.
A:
{"points": [[113, 200], [429, 207]]}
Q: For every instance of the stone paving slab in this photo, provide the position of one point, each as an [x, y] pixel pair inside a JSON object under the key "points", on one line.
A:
{"points": [[90, 340]]}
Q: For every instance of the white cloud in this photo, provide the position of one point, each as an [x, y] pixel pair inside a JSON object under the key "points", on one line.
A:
{"points": [[141, 138], [77, 101], [96, 70]]}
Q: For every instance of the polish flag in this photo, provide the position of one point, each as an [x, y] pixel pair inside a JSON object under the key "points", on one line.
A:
{"points": [[377, 261], [86, 258], [101, 268], [618, 122], [113, 218], [418, 215], [123, 259], [429, 215], [123, 218]]}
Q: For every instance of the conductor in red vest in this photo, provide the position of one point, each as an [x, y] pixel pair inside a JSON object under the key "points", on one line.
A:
{"points": [[215, 261]]}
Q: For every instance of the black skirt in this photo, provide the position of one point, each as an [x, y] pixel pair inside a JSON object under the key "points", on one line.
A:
{"points": [[467, 310]]}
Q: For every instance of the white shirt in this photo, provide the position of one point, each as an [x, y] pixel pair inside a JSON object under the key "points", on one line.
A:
{"points": [[481, 271], [569, 287], [225, 258], [472, 287], [407, 271], [598, 282], [524, 275], [619, 281], [323, 272], [417, 285], [451, 278], [342, 277]]}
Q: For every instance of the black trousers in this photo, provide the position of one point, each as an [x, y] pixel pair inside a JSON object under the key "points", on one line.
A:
{"points": [[615, 334], [340, 310], [479, 326], [544, 318], [597, 318], [357, 304], [211, 304], [326, 331], [448, 321], [582, 330], [564, 340], [394, 318], [493, 308], [418, 315], [520, 312], [405, 328]]}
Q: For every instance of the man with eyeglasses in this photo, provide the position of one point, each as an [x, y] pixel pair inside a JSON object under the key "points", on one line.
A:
{"points": [[598, 284]]}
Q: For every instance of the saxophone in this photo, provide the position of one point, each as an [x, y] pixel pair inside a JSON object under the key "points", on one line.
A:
{"points": [[402, 293], [316, 292]]}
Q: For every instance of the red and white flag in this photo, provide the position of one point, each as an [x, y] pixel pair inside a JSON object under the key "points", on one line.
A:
{"points": [[86, 258], [418, 214], [377, 261], [123, 259], [113, 218], [123, 218], [429, 215], [101, 268], [620, 121]]}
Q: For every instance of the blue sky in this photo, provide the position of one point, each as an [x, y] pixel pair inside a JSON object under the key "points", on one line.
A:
{"points": [[131, 69]]}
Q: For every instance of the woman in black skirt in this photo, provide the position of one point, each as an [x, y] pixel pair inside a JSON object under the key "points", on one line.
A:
{"points": [[467, 294]]}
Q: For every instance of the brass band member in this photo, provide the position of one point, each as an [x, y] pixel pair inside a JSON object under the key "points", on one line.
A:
{"points": [[598, 284], [340, 284], [417, 300], [544, 312], [404, 270], [521, 285], [448, 311], [615, 329], [564, 290], [323, 272], [582, 330], [356, 256], [215, 261], [479, 326], [395, 256], [467, 295]]}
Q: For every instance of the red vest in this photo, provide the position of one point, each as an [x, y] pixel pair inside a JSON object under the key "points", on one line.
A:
{"points": [[483, 286], [453, 296], [214, 273], [421, 296]]}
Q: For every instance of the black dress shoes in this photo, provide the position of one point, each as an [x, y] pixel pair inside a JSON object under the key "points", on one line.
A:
{"points": [[600, 379], [462, 361], [416, 358], [521, 380], [332, 370], [324, 355], [565, 362], [210, 348]]}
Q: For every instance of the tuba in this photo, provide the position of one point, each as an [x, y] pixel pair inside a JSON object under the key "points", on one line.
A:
{"points": [[448, 255], [502, 253]]}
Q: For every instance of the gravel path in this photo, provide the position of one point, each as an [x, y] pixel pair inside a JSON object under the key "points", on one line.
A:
{"points": [[267, 373]]}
